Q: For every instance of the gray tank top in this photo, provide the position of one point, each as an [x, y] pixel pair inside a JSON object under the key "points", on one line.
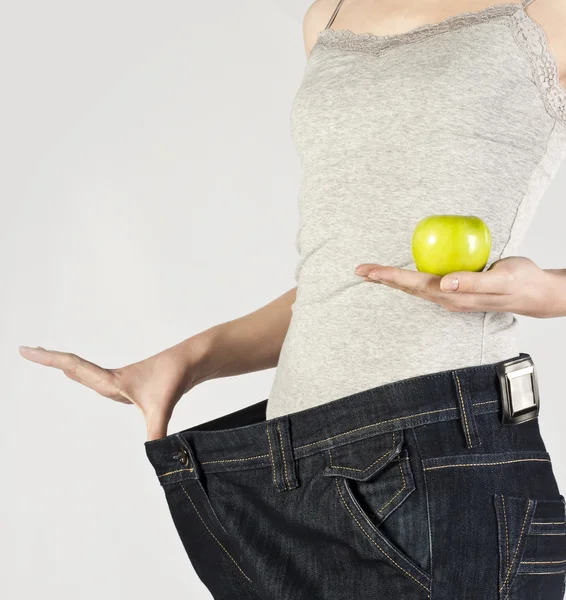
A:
{"points": [[466, 116]]}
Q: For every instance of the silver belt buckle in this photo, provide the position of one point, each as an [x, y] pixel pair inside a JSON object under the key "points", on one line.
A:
{"points": [[519, 390]]}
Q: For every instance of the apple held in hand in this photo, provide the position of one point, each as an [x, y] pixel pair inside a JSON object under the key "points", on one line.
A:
{"points": [[445, 243]]}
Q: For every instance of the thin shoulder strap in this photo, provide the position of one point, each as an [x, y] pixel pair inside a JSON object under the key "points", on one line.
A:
{"points": [[331, 20], [525, 3]]}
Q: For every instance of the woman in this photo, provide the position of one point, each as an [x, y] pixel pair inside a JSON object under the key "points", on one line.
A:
{"points": [[399, 453]]}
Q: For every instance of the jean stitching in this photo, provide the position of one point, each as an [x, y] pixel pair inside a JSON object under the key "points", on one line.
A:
{"points": [[205, 462], [404, 485], [209, 503], [271, 455], [461, 400], [374, 542], [427, 511], [487, 464], [544, 562], [368, 467], [516, 550], [212, 534], [283, 455], [543, 573], [177, 471], [506, 535], [373, 424]]}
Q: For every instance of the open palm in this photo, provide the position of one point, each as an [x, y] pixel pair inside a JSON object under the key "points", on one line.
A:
{"points": [[154, 385]]}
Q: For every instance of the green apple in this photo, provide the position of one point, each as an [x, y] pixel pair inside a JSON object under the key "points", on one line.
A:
{"points": [[445, 243]]}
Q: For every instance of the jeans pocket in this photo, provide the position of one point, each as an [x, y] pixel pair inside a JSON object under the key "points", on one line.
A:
{"points": [[373, 478], [213, 552], [532, 547]]}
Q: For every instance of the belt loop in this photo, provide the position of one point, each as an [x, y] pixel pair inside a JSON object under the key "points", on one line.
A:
{"points": [[283, 463], [467, 417]]}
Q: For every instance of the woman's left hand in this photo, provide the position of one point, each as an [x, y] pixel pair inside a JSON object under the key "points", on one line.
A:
{"points": [[513, 284]]}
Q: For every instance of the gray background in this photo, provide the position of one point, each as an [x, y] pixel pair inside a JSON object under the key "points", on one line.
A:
{"points": [[149, 191]]}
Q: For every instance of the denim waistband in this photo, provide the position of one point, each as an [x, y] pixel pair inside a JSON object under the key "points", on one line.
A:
{"points": [[244, 439]]}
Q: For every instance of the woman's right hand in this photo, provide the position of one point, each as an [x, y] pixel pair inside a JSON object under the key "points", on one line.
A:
{"points": [[154, 385]]}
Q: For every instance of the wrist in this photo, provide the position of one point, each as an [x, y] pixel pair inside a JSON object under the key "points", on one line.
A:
{"points": [[196, 357]]}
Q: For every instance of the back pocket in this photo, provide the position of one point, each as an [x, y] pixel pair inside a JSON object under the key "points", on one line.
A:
{"points": [[373, 478], [532, 547]]}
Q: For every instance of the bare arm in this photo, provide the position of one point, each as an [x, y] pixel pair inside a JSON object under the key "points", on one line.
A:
{"points": [[249, 343], [155, 384], [557, 300]]}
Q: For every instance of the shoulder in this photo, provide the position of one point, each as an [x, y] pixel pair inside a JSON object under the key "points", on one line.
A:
{"points": [[315, 20]]}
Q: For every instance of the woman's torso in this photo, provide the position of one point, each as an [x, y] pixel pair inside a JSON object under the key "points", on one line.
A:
{"points": [[466, 117]]}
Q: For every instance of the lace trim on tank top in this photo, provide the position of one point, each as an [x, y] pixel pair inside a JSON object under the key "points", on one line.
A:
{"points": [[528, 34], [532, 38], [350, 40]]}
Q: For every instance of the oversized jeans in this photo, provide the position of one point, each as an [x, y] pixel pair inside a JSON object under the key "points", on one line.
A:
{"points": [[412, 490]]}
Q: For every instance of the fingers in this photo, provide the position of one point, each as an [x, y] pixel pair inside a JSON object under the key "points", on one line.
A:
{"points": [[39, 355], [482, 282], [66, 361], [455, 302], [417, 281], [497, 281], [76, 368]]}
